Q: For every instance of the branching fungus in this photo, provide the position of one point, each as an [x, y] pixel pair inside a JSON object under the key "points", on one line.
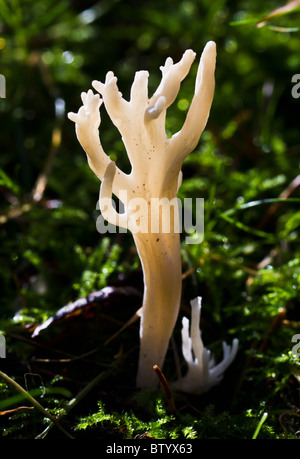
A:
{"points": [[156, 162], [202, 373]]}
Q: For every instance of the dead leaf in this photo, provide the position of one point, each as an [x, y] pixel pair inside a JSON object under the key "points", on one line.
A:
{"points": [[86, 307]]}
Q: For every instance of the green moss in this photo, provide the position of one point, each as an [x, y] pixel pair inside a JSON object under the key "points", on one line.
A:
{"points": [[247, 269]]}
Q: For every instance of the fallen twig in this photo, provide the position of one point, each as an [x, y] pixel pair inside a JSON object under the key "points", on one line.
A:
{"points": [[166, 388]]}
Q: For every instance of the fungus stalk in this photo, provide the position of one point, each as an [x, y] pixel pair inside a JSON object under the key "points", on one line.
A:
{"points": [[155, 177]]}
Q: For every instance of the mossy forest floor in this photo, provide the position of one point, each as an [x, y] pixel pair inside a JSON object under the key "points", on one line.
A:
{"points": [[79, 371]]}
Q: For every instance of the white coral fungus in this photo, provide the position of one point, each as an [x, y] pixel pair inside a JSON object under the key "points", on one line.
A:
{"points": [[202, 373], [156, 162]]}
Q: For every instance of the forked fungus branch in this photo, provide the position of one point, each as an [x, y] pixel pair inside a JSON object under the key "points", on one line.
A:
{"points": [[156, 162]]}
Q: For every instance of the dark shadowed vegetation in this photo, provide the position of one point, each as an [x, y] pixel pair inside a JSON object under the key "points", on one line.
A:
{"points": [[246, 167]]}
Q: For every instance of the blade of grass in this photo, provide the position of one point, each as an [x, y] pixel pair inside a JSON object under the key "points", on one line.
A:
{"points": [[259, 202], [259, 425], [85, 391], [246, 228], [11, 401], [227, 215], [34, 402]]}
